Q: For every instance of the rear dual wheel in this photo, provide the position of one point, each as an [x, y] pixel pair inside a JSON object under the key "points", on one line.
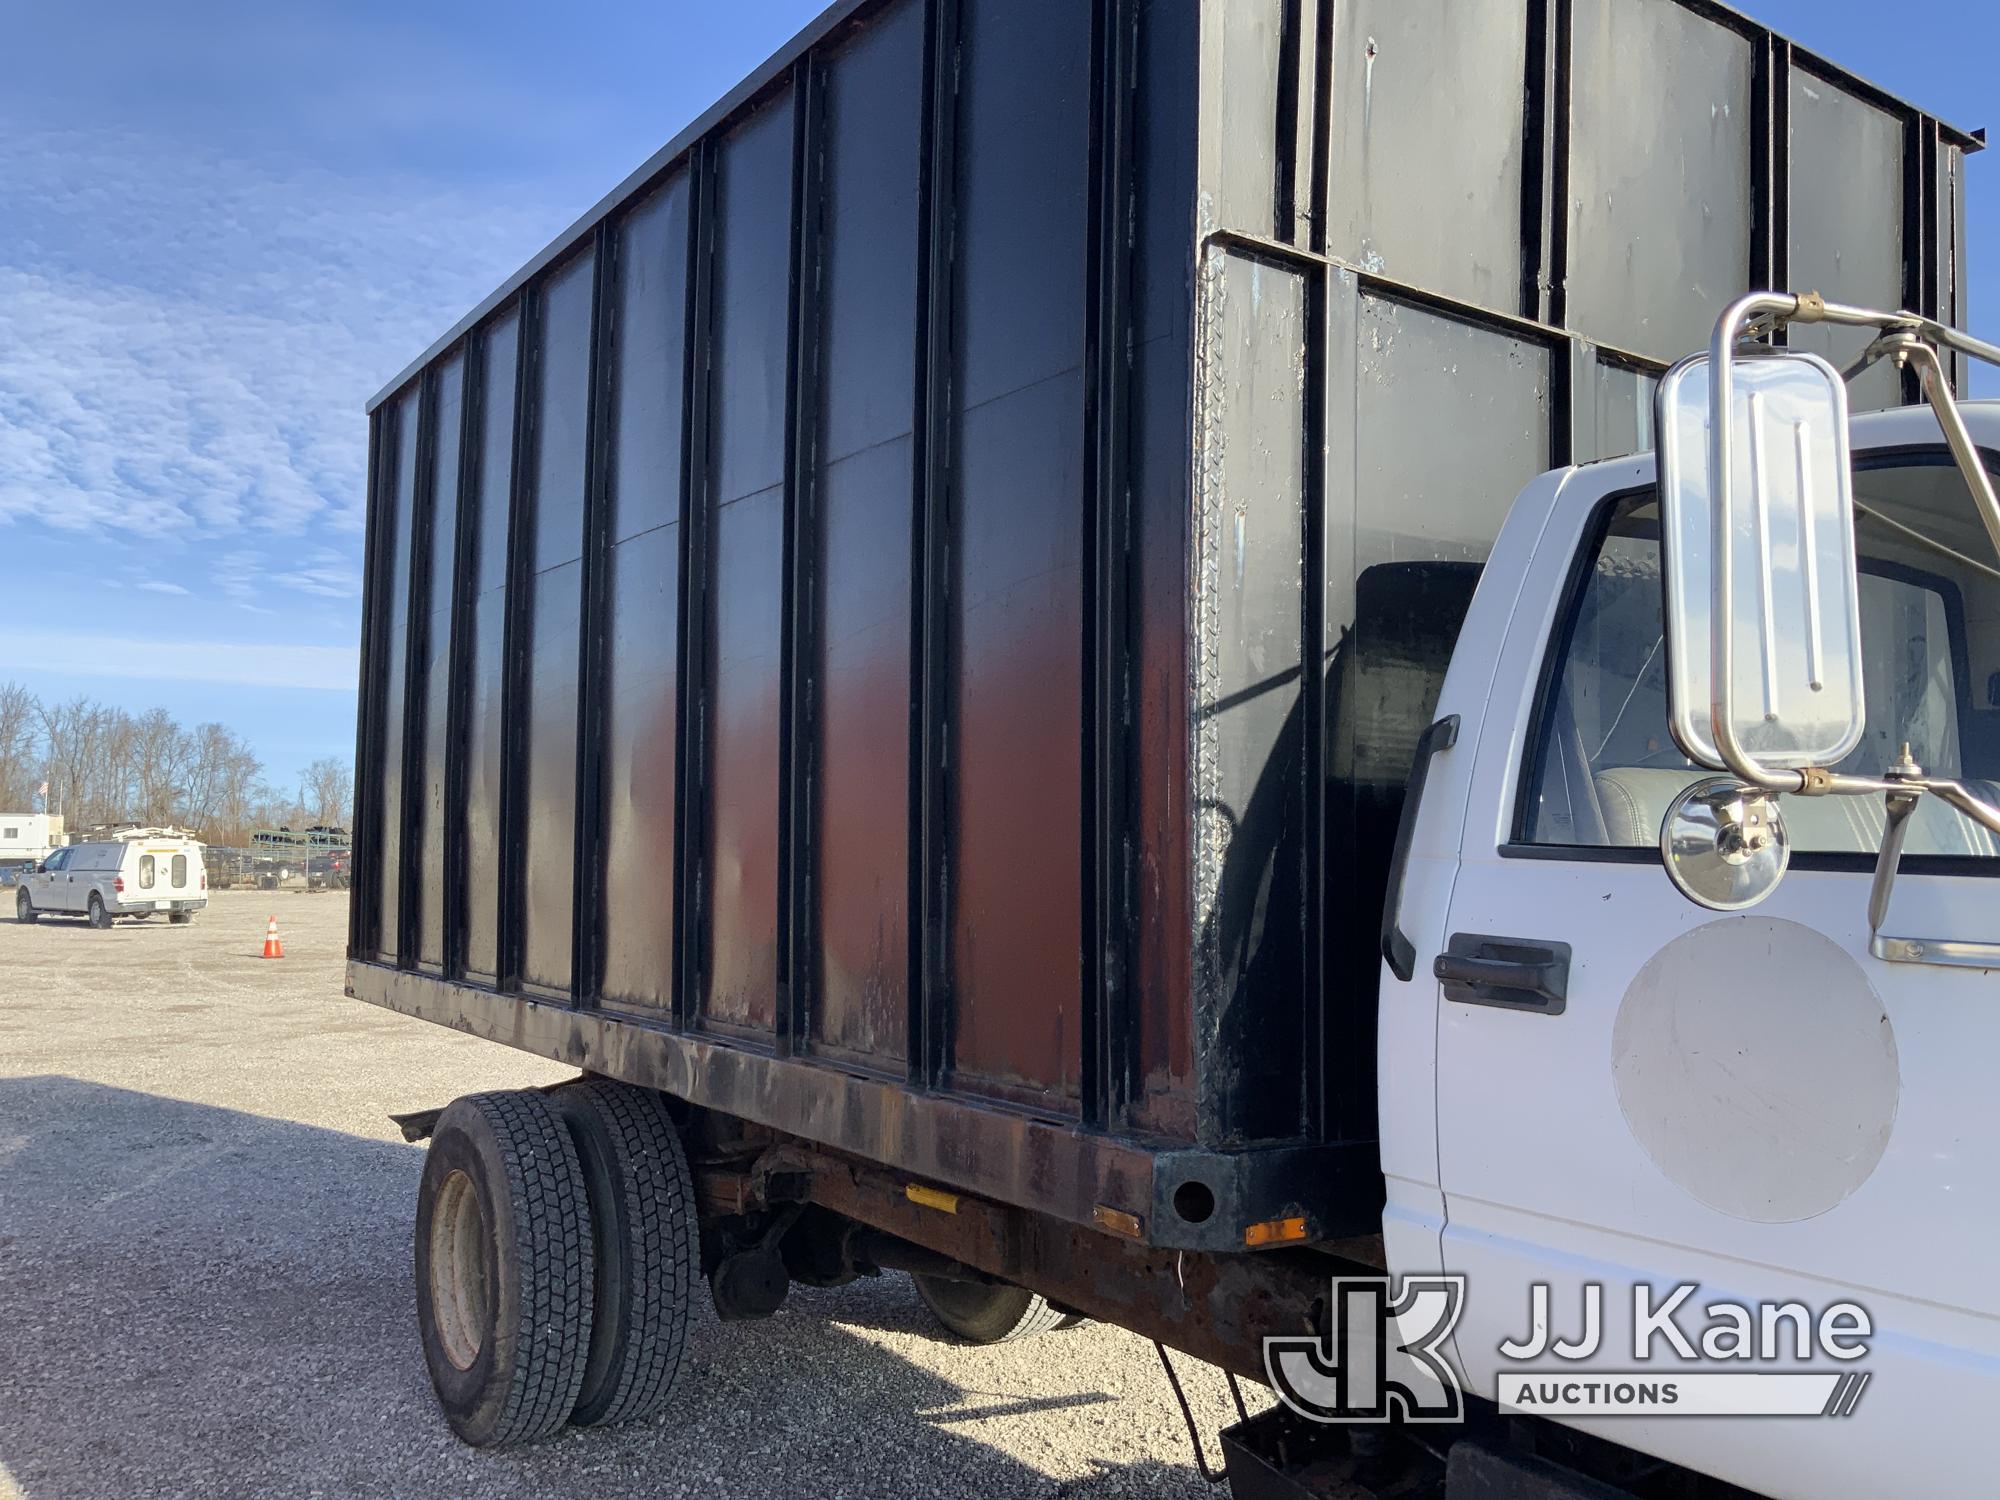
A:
{"points": [[648, 1241], [504, 1263], [556, 1260], [990, 1313]]}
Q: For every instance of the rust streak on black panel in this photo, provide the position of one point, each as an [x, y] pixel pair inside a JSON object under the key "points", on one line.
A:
{"points": [[746, 551], [560, 401], [860, 533], [1019, 457], [431, 649], [646, 459], [490, 546]]}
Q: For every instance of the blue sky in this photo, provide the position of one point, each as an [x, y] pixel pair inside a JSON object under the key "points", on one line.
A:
{"points": [[226, 223]]}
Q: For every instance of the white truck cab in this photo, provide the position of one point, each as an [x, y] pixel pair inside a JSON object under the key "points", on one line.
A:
{"points": [[137, 875], [1775, 1092]]}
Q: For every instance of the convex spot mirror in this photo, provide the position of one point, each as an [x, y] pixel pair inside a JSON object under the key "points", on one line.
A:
{"points": [[1725, 844], [1776, 483]]}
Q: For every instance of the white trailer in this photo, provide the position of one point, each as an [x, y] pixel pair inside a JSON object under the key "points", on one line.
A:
{"points": [[27, 838]]}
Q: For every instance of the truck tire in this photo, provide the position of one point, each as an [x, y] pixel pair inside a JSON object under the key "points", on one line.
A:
{"points": [[504, 1263], [983, 1314], [24, 908], [648, 1240], [99, 916], [180, 918]]}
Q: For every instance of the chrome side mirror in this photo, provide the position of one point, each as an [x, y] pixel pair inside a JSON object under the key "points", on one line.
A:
{"points": [[1764, 666], [1763, 605]]}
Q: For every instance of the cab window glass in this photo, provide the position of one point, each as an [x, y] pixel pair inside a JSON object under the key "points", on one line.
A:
{"points": [[1605, 767], [180, 869], [145, 872]]}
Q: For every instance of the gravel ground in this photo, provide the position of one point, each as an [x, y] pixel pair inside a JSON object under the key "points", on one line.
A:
{"points": [[205, 1272]]}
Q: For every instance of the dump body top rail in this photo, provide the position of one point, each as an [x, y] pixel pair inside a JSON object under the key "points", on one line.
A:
{"points": [[810, 36]]}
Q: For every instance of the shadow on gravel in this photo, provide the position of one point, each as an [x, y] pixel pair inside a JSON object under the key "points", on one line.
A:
{"points": [[201, 1301]]}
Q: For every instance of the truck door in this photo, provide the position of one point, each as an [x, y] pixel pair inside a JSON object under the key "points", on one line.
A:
{"points": [[1636, 1091], [49, 889]]}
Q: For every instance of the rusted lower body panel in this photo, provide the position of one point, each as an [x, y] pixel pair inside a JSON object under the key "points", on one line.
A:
{"points": [[1219, 1308], [1000, 1152], [909, 624]]}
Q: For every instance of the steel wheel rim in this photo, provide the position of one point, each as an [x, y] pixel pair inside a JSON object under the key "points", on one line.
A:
{"points": [[460, 1297]]}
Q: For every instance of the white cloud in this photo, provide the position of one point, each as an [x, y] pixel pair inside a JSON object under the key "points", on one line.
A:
{"points": [[189, 342], [262, 579], [247, 664], [161, 586]]}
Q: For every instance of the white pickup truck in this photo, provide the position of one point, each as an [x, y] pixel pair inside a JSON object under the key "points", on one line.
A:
{"points": [[139, 874]]}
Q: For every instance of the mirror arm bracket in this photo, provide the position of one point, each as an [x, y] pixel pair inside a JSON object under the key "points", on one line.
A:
{"points": [[1950, 952], [1901, 805], [1978, 809], [1904, 786]]}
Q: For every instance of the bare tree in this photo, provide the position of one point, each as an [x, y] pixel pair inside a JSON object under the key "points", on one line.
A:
{"points": [[159, 765], [72, 734], [104, 765], [210, 747], [20, 747], [325, 790], [235, 789]]}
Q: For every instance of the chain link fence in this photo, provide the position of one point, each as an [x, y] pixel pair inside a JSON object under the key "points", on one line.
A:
{"points": [[268, 869]]}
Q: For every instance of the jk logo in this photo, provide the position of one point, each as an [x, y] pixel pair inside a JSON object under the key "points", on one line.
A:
{"points": [[1380, 1359]]}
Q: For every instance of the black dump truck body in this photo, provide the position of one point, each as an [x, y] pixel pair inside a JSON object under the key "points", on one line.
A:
{"points": [[908, 625]]}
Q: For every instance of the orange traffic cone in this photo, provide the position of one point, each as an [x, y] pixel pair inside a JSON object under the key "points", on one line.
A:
{"points": [[272, 947]]}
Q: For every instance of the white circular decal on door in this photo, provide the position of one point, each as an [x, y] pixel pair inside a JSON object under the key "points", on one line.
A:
{"points": [[1757, 1068]]}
